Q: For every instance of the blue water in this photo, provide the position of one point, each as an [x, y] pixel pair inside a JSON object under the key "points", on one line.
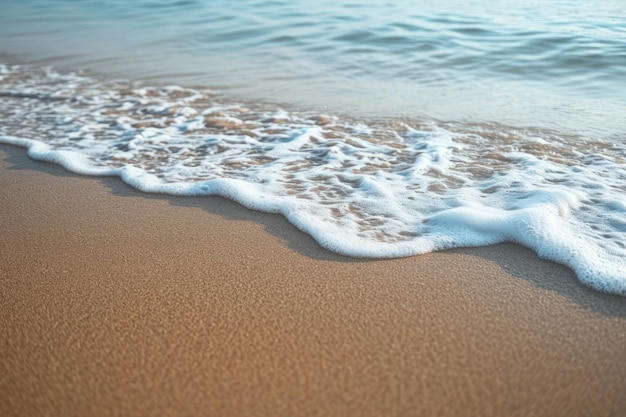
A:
{"points": [[555, 64], [381, 129]]}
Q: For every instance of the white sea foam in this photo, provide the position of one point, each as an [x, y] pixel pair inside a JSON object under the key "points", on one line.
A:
{"points": [[364, 189]]}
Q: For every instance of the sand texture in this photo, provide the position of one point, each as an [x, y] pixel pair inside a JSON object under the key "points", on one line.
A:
{"points": [[118, 303]]}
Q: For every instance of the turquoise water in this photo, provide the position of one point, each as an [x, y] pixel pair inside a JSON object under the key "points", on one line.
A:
{"points": [[382, 129], [556, 64]]}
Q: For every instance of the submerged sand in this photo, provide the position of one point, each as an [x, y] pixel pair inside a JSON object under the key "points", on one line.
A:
{"points": [[114, 302]]}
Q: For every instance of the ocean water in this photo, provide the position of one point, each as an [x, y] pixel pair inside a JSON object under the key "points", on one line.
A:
{"points": [[382, 129]]}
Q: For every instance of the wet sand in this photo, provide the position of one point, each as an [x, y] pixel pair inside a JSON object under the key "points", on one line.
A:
{"points": [[114, 302]]}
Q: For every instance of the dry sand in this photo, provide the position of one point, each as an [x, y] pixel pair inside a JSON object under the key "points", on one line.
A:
{"points": [[118, 303]]}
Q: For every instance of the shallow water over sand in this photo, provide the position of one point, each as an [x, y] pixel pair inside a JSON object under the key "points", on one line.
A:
{"points": [[557, 64]]}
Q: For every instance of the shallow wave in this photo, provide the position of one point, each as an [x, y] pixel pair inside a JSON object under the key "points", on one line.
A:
{"points": [[369, 188], [557, 64]]}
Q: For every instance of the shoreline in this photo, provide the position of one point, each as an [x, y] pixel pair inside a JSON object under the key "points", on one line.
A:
{"points": [[116, 302]]}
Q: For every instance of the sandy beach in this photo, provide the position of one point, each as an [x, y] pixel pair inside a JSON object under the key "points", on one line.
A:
{"points": [[119, 303]]}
